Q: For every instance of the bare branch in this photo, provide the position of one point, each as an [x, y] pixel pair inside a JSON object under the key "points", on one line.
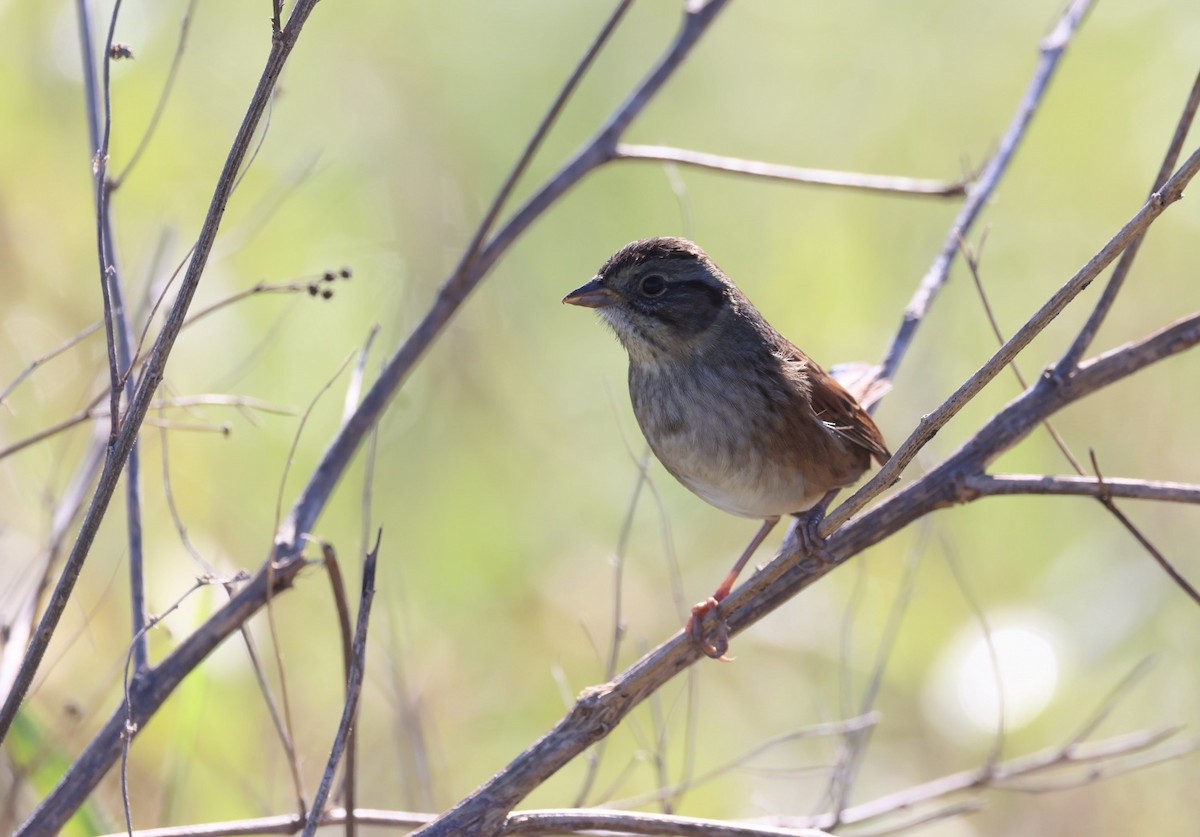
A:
{"points": [[147, 694], [48, 356], [585, 820], [160, 107], [472, 271], [1106, 500], [988, 485], [1088, 333], [1053, 48], [774, 171], [353, 688], [935, 421], [1022, 767]]}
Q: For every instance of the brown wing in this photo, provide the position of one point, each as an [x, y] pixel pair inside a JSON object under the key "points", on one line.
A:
{"points": [[843, 415], [837, 408]]}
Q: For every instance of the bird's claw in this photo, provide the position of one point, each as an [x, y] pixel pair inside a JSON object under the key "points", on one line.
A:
{"points": [[812, 542], [714, 641]]}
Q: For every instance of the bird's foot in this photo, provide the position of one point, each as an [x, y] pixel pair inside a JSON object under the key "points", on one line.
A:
{"points": [[713, 639], [811, 541]]}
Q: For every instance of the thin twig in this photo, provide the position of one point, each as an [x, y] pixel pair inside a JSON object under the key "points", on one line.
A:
{"points": [[936, 420], [589, 821], [173, 508], [854, 746], [242, 403], [118, 328], [353, 689], [93, 410], [972, 263], [1087, 334], [130, 726], [1021, 767], [1135, 676], [793, 174], [822, 730], [48, 356], [1053, 48], [1106, 500], [990, 485], [956, 809], [163, 97], [342, 606], [287, 730], [596, 754]]}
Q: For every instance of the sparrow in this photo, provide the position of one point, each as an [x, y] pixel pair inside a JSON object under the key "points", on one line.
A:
{"points": [[730, 407]]}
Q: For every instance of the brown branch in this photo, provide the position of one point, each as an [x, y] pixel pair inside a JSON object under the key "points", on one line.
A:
{"points": [[988, 485], [587, 821], [935, 421], [354, 680], [793, 174], [1105, 498], [1052, 758], [341, 604]]}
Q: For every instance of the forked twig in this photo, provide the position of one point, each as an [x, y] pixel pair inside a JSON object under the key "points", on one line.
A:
{"points": [[353, 689], [936, 420]]}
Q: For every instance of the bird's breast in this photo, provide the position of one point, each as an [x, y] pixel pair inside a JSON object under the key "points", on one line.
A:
{"points": [[739, 442]]}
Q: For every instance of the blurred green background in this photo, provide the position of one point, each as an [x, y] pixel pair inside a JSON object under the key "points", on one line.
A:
{"points": [[507, 463]]}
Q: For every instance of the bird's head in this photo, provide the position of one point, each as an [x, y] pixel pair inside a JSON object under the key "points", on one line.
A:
{"points": [[664, 298]]}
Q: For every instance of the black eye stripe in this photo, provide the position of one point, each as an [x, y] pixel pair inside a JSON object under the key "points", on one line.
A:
{"points": [[714, 294]]}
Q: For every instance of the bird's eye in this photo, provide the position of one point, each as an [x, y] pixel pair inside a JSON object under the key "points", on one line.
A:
{"points": [[653, 285]]}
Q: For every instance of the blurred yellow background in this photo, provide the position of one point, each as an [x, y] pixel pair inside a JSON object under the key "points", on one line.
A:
{"points": [[508, 461]]}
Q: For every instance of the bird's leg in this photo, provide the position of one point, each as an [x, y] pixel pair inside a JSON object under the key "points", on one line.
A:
{"points": [[717, 647], [811, 540]]}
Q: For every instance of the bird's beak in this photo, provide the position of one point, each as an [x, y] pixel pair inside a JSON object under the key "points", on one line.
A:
{"points": [[593, 295]]}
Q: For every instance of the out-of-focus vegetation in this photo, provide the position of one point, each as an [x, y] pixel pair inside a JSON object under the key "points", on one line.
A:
{"points": [[506, 465]]}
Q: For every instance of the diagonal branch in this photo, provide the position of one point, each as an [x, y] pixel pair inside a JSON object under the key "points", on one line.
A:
{"points": [[930, 424], [1088, 333], [454, 292], [1053, 47]]}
